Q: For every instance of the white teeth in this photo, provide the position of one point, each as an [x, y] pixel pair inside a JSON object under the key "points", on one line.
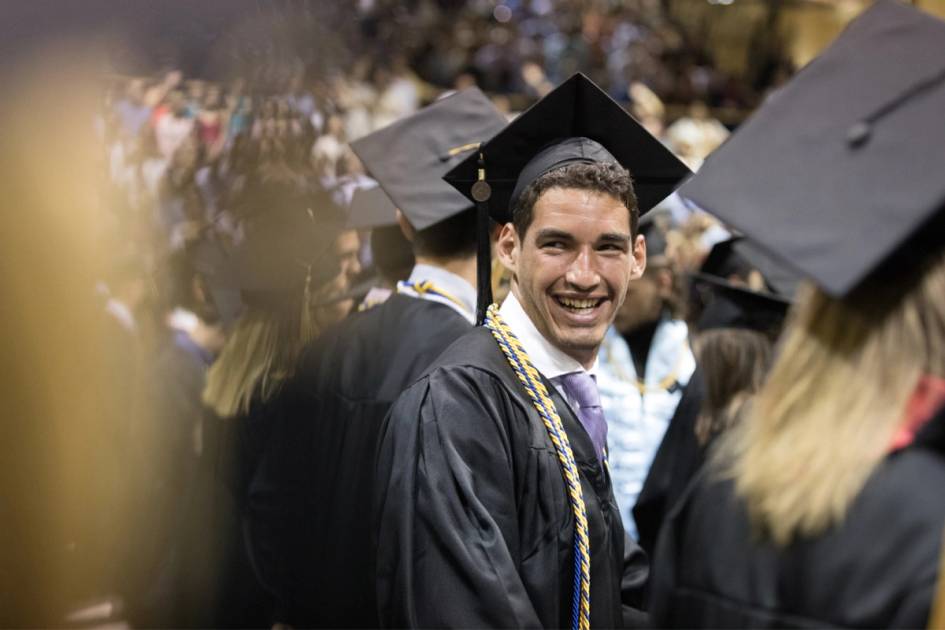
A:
{"points": [[570, 303]]}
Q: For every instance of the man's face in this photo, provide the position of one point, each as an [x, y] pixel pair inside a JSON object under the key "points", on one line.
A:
{"points": [[572, 267]]}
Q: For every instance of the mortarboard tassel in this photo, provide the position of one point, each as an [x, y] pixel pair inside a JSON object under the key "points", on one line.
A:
{"points": [[481, 192]]}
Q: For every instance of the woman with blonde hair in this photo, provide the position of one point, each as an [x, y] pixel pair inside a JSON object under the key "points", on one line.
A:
{"points": [[823, 506], [284, 269]]}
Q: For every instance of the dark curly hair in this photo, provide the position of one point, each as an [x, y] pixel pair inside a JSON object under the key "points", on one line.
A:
{"points": [[601, 177]]}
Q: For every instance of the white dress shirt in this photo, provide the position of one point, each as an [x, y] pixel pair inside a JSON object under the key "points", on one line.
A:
{"points": [[552, 362]]}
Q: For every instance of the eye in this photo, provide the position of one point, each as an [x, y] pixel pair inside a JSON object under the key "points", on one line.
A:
{"points": [[556, 245], [611, 247]]}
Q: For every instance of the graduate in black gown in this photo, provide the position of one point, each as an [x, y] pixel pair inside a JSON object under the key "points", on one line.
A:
{"points": [[285, 261], [823, 505], [319, 469], [476, 523], [724, 301]]}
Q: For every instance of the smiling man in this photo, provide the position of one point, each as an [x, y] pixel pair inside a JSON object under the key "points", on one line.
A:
{"points": [[495, 506]]}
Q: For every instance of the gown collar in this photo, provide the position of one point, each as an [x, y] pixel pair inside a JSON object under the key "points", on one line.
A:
{"points": [[450, 283]]}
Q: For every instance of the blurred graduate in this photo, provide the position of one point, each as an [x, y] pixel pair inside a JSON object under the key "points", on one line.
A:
{"points": [[822, 506], [319, 471]]}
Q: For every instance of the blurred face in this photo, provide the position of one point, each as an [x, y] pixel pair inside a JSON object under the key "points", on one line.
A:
{"points": [[571, 269], [347, 247], [644, 303]]}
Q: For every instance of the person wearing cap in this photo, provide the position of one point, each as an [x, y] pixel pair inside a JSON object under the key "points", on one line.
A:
{"points": [[321, 469], [391, 253], [645, 367], [731, 358], [279, 271], [494, 505], [824, 505]]}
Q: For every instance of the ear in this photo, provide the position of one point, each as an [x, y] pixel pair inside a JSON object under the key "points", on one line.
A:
{"points": [[508, 247], [638, 259], [405, 227]]}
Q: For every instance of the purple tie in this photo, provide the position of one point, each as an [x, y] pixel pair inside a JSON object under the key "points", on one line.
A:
{"points": [[582, 389]]}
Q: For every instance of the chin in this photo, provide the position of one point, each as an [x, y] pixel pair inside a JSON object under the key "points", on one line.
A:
{"points": [[584, 343]]}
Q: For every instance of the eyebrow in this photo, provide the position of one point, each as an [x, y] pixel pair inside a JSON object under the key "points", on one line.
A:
{"points": [[548, 233], [608, 237], [615, 237]]}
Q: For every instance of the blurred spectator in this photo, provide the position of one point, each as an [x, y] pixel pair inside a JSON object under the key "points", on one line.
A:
{"points": [[695, 136], [645, 365], [172, 124]]}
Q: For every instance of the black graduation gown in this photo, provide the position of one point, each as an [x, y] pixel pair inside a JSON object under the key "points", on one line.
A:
{"points": [[316, 472], [676, 462], [877, 569], [473, 522]]}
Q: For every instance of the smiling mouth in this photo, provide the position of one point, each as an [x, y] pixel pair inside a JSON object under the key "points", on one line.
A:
{"points": [[579, 305]]}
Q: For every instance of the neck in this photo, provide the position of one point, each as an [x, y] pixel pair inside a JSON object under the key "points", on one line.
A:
{"points": [[465, 267]]}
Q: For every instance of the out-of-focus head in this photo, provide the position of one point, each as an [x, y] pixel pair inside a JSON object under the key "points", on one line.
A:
{"points": [[409, 157]]}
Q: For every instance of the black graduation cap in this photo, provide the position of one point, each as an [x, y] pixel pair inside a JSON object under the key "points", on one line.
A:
{"points": [[738, 256], [780, 279], [409, 157], [727, 303], [574, 123], [724, 262], [837, 171], [286, 246], [371, 208]]}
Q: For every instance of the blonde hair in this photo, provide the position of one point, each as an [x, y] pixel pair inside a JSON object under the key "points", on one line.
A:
{"points": [[259, 355], [834, 397]]}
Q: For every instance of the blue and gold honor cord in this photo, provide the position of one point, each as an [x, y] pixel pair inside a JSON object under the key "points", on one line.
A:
{"points": [[426, 287], [531, 380]]}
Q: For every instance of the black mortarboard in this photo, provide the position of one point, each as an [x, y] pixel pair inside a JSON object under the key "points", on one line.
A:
{"points": [[780, 279], [409, 157], [836, 172], [738, 256], [726, 303], [729, 305], [724, 262], [371, 208], [577, 122], [287, 245]]}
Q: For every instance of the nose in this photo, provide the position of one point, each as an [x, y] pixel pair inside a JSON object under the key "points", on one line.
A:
{"points": [[582, 272], [353, 266]]}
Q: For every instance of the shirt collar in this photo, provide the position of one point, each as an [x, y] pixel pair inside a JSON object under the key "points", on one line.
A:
{"points": [[547, 359], [451, 283]]}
